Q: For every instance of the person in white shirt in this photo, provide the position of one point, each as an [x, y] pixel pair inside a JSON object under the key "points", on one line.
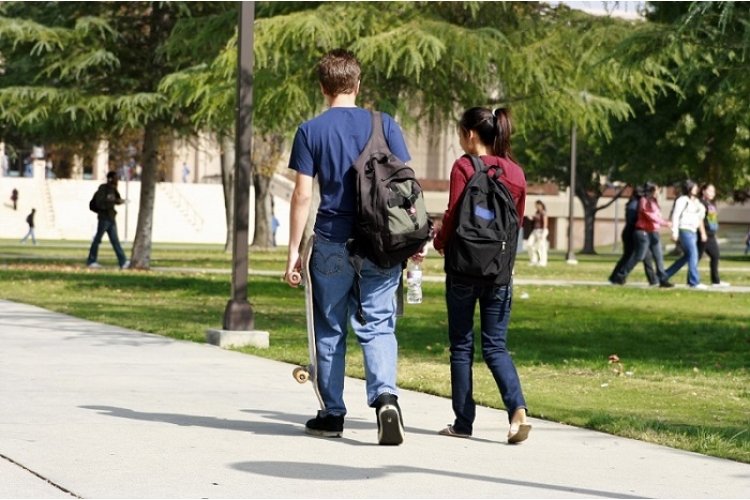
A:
{"points": [[687, 226]]}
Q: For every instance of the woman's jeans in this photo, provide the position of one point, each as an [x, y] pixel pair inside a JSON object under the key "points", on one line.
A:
{"points": [[335, 304], [644, 241], [628, 247], [494, 308], [689, 242]]}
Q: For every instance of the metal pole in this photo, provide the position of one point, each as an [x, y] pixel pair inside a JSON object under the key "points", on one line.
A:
{"points": [[127, 203], [617, 219], [571, 258], [238, 314]]}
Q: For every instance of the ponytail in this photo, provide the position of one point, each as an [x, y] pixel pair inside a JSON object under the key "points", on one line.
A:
{"points": [[503, 130], [493, 127]]}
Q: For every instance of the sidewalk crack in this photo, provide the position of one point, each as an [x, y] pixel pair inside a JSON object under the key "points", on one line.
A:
{"points": [[64, 490]]}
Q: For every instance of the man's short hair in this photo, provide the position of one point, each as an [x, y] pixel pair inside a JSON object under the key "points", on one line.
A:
{"points": [[112, 175], [339, 72]]}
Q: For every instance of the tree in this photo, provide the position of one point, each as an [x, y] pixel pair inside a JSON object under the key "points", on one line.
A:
{"points": [[700, 131], [84, 69], [423, 63]]}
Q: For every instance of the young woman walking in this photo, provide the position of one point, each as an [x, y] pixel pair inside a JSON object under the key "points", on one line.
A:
{"points": [[687, 228], [647, 237], [537, 242], [486, 134], [711, 247]]}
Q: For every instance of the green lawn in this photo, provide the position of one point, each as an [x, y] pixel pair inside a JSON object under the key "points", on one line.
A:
{"points": [[684, 353]]}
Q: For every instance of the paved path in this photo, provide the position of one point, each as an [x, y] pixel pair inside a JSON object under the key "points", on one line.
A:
{"points": [[95, 411]]}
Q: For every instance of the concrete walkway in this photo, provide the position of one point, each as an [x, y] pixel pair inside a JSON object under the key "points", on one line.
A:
{"points": [[95, 411]]}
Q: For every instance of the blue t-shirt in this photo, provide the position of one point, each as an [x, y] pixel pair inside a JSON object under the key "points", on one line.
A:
{"points": [[326, 147]]}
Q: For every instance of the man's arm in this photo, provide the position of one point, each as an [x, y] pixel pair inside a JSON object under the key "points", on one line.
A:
{"points": [[299, 211]]}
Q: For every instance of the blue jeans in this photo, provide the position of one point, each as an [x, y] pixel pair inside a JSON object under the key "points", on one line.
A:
{"points": [[645, 241], [30, 233], [335, 305], [689, 242], [109, 227], [494, 308]]}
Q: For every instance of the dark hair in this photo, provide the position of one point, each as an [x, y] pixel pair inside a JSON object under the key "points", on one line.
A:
{"points": [[539, 202], [493, 127], [638, 192], [112, 175], [688, 186], [339, 72], [649, 188]]}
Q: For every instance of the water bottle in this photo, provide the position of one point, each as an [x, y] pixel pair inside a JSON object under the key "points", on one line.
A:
{"points": [[414, 284]]}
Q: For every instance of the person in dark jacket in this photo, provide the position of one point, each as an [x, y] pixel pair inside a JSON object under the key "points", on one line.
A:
{"points": [[628, 240], [30, 222], [106, 198]]}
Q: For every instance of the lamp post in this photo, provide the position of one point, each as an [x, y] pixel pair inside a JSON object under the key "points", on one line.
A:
{"points": [[571, 258], [238, 314], [617, 225]]}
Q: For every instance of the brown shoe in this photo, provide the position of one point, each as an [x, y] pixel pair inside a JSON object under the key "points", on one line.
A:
{"points": [[518, 433]]}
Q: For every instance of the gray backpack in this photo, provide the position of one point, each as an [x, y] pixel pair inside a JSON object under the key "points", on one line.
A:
{"points": [[392, 223]]}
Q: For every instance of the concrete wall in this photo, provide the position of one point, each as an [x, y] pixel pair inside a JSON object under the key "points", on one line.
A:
{"points": [[187, 213]]}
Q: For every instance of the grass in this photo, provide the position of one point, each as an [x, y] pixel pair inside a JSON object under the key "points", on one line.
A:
{"points": [[684, 353]]}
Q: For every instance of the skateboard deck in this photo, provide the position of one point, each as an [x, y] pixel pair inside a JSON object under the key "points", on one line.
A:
{"points": [[305, 373]]}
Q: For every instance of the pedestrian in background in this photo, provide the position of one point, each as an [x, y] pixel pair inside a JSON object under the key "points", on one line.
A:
{"points": [[107, 196], [688, 214], [14, 198], [30, 222], [711, 246], [628, 240], [537, 242], [647, 237]]}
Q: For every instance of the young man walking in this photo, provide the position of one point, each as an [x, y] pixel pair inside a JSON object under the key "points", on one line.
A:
{"points": [[107, 196], [30, 222], [326, 147]]}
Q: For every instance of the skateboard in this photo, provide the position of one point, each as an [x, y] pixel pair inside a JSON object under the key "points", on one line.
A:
{"points": [[305, 373]]}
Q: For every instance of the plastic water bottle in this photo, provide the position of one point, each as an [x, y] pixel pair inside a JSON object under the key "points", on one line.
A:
{"points": [[414, 284]]}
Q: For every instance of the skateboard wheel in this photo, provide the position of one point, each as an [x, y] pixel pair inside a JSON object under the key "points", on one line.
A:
{"points": [[295, 278], [301, 375]]}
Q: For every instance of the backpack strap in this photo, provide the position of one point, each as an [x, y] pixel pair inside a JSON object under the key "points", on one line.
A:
{"points": [[479, 165]]}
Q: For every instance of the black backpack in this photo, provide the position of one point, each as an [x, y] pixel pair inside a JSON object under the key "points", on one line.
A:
{"points": [[92, 204], [482, 249], [392, 223]]}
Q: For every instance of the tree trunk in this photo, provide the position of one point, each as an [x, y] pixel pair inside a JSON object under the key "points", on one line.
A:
{"points": [[266, 155], [590, 208], [141, 258], [227, 181], [589, 217], [263, 235]]}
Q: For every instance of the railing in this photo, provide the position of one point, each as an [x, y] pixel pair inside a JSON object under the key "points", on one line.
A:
{"points": [[183, 205]]}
